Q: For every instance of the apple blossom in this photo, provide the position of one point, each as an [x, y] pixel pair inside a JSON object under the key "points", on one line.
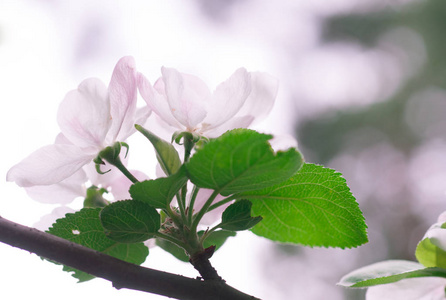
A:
{"points": [[427, 288], [91, 118], [184, 101], [432, 288]]}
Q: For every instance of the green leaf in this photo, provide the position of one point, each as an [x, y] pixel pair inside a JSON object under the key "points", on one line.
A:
{"points": [[314, 207], [216, 238], [159, 192], [85, 228], [237, 216], [241, 160], [388, 272], [166, 153], [430, 255], [173, 249], [130, 221]]}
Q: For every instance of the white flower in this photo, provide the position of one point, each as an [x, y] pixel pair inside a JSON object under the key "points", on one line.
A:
{"points": [[90, 118], [184, 101], [427, 288]]}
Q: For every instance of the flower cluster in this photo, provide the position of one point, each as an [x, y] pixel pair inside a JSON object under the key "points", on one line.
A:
{"points": [[94, 118]]}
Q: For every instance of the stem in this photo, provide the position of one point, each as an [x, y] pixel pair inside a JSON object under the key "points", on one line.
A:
{"points": [[192, 203], [222, 202], [203, 210], [182, 203], [118, 164], [120, 273], [171, 239], [201, 263]]}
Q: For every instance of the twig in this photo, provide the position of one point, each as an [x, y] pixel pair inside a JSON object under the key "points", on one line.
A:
{"points": [[120, 273]]}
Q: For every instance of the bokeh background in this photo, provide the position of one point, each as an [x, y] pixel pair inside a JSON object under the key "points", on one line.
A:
{"points": [[362, 87]]}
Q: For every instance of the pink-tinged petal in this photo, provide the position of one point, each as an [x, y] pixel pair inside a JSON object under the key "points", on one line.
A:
{"points": [[427, 288], [84, 115], [261, 99], [437, 235], [48, 165], [283, 142], [187, 95], [150, 243], [61, 139], [214, 215], [228, 98], [235, 122], [141, 116], [156, 101], [63, 192], [48, 220], [103, 180], [442, 218], [121, 185], [122, 93]]}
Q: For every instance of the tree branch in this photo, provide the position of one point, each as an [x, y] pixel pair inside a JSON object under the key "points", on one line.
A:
{"points": [[120, 273]]}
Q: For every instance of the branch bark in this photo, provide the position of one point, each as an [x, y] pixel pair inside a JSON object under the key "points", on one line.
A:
{"points": [[120, 273]]}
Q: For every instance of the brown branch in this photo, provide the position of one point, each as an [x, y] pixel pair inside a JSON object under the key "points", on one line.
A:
{"points": [[120, 273]]}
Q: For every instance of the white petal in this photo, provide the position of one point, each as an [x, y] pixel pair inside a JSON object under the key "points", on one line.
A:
{"points": [[188, 97], [235, 122], [63, 192], [261, 99], [283, 142], [48, 165], [437, 236], [214, 215], [121, 185], [84, 115], [157, 101], [442, 218], [228, 98], [428, 288], [122, 93], [46, 221]]}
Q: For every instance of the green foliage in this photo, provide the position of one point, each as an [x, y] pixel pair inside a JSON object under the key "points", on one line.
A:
{"points": [[84, 228], [388, 272], [314, 207], [216, 238], [165, 152], [430, 255], [130, 221], [173, 249], [237, 216], [241, 160], [159, 192]]}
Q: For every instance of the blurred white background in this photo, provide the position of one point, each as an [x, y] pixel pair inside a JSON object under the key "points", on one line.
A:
{"points": [[47, 47]]}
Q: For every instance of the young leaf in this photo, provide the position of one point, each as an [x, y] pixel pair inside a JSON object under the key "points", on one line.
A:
{"points": [[159, 192], [241, 160], [130, 221], [237, 216], [430, 255], [388, 272], [173, 249], [84, 227], [216, 238], [166, 154], [314, 207]]}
